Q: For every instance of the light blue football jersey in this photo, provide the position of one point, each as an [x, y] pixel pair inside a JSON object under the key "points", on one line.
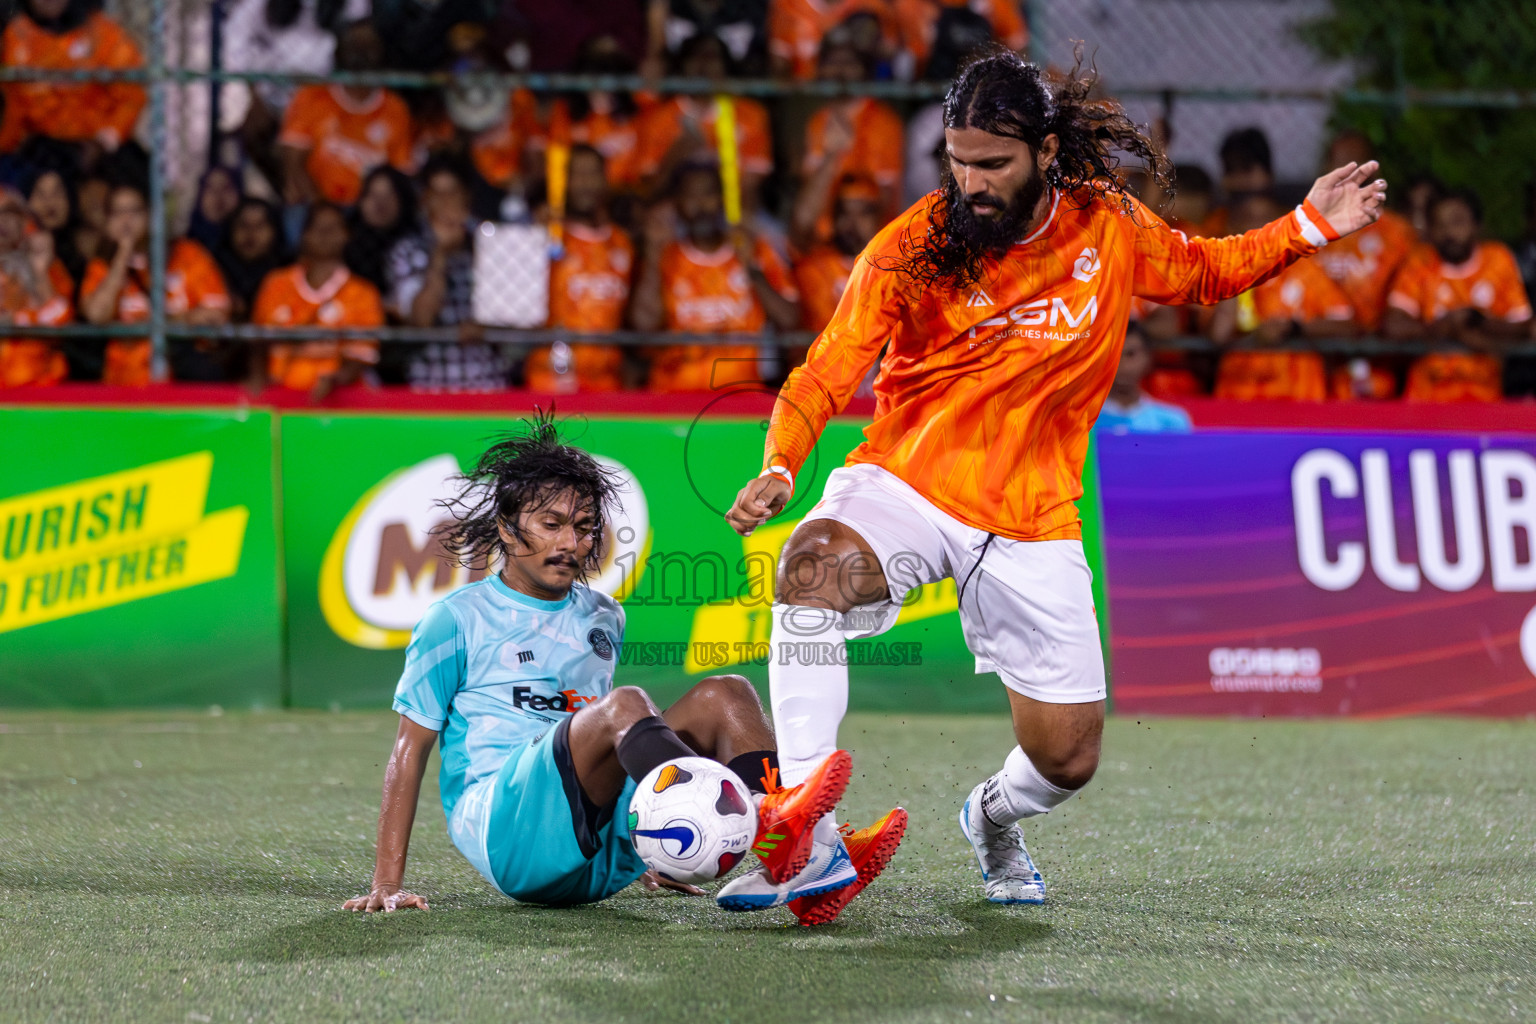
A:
{"points": [[492, 669]]}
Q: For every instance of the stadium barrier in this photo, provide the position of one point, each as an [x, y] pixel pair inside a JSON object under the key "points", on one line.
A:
{"points": [[264, 558], [1369, 566]]}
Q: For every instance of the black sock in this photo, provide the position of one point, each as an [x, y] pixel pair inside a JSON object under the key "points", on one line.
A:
{"points": [[759, 769], [648, 743]]}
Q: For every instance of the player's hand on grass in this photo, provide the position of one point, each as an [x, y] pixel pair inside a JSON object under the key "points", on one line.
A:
{"points": [[758, 502], [652, 881], [1347, 198], [387, 898]]}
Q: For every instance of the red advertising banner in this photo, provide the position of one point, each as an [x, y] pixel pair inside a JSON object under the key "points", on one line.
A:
{"points": [[1321, 574]]}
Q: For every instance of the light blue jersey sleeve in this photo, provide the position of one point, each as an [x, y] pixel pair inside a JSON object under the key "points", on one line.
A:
{"points": [[435, 666]]}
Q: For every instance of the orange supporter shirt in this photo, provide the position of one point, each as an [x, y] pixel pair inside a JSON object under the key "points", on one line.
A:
{"points": [[588, 291], [346, 138], [795, 28], [192, 281], [1301, 292], [878, 150], [497, 152], [821, 275], [919, 19], [1428, 288], [1364, 264], [619, 142], [105, 111], [25, 361], [711, 293], [662, 125], [343, 300], [987, 395]]}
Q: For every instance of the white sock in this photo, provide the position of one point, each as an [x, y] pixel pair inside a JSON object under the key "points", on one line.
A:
{"points": [[1018, 791], [808, 691]]}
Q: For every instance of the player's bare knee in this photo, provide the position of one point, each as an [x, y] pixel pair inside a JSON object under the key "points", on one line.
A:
{"points": [[729, 691], [1068, 769], [826, 565]]}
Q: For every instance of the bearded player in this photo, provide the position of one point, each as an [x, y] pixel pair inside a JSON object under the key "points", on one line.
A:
{"points": [[1001, 300]]}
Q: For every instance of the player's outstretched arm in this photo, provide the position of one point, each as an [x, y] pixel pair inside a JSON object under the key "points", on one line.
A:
{"points": [[397, 813], [1348, 198]]}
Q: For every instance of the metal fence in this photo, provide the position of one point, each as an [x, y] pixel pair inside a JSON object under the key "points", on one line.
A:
{"points": [[1203, 66]]}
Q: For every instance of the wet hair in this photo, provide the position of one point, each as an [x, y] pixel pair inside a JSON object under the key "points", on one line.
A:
{"points": [[521, 472], [1245, 149], [1003, 94]]}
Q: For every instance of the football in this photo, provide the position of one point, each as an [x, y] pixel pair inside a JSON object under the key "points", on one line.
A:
{"points": [[692, 820]]}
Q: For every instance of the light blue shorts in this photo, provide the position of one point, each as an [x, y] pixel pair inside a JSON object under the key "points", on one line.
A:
{"points": [[538, 838]]}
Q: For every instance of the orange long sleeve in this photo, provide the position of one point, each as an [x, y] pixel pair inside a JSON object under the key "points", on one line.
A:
{"points": [[986, 396]]}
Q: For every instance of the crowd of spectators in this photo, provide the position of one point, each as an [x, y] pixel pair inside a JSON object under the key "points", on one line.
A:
{"points": [[359, 207]]}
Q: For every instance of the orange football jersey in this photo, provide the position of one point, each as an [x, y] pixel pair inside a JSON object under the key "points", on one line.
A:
{"points": [[346, 138], [192, 281], [711, 293], [60, 110], [1365, 262], [795, 28], [343, 300], [588, 291], [30, 361], [987, 395], [1428, 288], [661, 125]]}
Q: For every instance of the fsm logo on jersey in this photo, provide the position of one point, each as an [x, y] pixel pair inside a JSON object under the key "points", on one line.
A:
{"points": [[385, 566], [1273, 573]]}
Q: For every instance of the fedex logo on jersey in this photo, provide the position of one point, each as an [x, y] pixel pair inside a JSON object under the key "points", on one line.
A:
{"points": [[566, 700]]}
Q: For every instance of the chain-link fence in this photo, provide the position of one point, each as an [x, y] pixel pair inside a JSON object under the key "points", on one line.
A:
{"points": [[218, 75]]}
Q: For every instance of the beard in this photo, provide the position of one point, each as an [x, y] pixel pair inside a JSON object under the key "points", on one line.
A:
{"points": [[991, 236], [1455, 253]]}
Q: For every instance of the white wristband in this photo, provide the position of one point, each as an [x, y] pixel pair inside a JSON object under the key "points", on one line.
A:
{"points": [[782, 472]]}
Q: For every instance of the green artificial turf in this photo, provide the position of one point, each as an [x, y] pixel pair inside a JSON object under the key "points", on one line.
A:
{"points": [[179, 867]]}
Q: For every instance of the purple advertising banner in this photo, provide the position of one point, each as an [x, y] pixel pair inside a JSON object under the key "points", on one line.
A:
{"points": [[1256, 573]]}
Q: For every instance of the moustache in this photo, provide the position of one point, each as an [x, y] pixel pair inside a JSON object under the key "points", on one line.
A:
{"points": [[985, 199]]}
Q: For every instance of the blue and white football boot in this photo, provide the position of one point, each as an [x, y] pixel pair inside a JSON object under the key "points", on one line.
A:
{"points": [[1006, 868], [829, 868]]}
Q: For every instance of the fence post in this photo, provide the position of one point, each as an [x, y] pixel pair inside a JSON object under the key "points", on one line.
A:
{"points": [[215, 87], [159, 358]]}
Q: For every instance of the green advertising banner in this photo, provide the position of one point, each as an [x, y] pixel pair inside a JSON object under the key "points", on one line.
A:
{"points": [[360, 496], [140, 561]]}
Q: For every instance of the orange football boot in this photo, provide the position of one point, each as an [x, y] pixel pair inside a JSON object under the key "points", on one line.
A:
{"points": [[870, 849], [786, 817]]}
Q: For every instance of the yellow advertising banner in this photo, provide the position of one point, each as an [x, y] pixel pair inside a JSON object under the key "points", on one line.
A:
{"points": [[112, 539]]}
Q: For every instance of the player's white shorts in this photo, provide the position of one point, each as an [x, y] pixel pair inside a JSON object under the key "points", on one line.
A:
{"points": [[1026, 610]]}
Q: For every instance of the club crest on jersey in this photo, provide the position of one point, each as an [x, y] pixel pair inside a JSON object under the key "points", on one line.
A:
{"points": [[1087, 265], [601, 645], [979, 297]]}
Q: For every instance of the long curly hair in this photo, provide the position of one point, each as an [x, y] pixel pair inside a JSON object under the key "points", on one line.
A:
{"points": [[523, 471], [1003, 94]]}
